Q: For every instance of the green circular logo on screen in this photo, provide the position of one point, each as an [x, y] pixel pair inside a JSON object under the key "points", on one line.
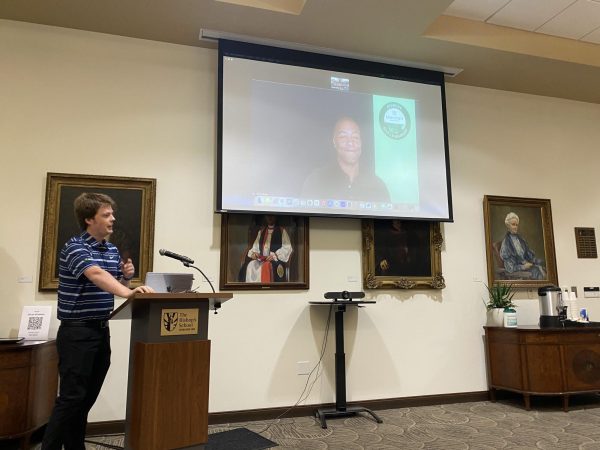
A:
{"points": [[394, 120]]}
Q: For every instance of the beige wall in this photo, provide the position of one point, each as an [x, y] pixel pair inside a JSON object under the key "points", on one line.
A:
{"points": [[80, 102]]}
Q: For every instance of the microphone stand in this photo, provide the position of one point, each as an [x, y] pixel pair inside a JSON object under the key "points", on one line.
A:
{"points": [[205, 277]]}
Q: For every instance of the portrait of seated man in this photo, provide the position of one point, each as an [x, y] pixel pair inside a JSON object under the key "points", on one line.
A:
{"points": [[402, 248], [518, 258], [346, 178], [267, 259]]}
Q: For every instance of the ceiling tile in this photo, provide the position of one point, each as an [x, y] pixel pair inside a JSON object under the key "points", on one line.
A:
{"points": [[475, 9], [284, 6], [575, 22], [529, 14], [594, 37]]}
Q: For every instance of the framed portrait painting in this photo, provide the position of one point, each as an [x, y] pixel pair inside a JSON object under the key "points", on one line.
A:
{"points": [[133, 231], [401, 254], [519, 241], [264, 251]]}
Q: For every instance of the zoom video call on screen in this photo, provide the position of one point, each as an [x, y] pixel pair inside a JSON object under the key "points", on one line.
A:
{"points": [[311, 134]]}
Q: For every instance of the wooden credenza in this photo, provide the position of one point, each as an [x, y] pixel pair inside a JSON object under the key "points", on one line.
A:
{"points": [[28, 385], [549, 361]]}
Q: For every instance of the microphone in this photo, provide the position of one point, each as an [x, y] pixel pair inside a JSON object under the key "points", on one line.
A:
{"points": [[183, 259], [187, 262]]}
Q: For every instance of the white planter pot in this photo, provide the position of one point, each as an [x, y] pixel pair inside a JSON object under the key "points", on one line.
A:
{"points": [[495, 317]]}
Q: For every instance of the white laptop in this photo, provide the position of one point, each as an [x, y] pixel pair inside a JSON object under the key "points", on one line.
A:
{"points": [[170, 282]]}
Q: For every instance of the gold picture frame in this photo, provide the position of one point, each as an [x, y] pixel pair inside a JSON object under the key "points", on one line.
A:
{"points": [[240, 233], [527, 259], [133, 231], [402, 254]]}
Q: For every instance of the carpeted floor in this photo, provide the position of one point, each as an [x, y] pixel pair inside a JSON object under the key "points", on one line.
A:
{"points": [[480, 425]]}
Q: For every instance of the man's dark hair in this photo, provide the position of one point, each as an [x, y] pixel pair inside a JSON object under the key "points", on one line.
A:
{"points": [[86, 205]]}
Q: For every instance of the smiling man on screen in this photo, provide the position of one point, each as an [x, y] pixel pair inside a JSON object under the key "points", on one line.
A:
{"points": [[346, 180]]}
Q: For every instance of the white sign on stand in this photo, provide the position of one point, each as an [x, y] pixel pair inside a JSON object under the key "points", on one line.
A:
{"points": [[35, 323]]}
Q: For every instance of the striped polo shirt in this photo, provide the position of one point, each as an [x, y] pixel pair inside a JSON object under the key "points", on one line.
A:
{"points": [[78, 297]]}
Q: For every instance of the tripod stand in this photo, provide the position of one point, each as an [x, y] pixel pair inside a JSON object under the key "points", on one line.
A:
{"points": [[341, 408]]}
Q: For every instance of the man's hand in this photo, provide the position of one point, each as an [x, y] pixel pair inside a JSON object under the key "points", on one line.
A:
{"points": [[141, 290], [254, 255], [527, 266], [127, 268]]}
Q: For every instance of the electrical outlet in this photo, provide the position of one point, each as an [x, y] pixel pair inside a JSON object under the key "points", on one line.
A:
{"points": [[303, 367]]}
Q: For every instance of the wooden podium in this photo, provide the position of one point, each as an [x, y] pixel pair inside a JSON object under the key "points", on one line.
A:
{"points": [[169, 362]]}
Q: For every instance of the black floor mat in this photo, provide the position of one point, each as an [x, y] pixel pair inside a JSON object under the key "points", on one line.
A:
{"points": [[238, 439]]}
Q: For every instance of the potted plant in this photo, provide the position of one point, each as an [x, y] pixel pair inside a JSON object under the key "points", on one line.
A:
{"points": [[500, 297]]}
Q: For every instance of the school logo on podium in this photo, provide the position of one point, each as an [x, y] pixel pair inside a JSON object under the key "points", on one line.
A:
{"points": [[394, 120], [170, 320], [176, 322]]}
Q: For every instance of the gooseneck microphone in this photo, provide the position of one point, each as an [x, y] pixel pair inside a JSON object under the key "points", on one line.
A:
{"points": [[183, 259], [187, 262]]}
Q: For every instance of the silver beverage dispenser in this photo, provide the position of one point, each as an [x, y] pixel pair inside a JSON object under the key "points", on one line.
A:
{"points": [[551, 306]]}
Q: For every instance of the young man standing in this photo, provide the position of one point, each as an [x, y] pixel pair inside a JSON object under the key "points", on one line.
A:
{"points": [[91, 273]]}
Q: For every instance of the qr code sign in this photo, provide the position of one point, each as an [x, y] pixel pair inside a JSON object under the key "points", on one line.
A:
{"points": [[35, 323]]}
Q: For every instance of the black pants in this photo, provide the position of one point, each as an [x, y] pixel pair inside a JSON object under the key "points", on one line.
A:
{"points": [[84, 358]]}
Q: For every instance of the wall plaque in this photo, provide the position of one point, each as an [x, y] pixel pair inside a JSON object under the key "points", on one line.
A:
{"points": [[585, 239]]}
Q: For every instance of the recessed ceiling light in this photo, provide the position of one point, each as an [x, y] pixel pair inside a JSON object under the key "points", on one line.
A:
{"points": [[285, 6]]}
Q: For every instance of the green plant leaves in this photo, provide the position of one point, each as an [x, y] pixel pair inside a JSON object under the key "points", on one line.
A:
{"points": [[500, 295]]}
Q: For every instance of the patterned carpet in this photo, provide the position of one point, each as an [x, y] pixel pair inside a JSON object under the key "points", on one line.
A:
{"points": [[480, 425]]}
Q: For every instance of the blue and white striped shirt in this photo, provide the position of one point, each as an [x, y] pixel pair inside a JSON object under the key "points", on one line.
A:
{"points": [[78, 297]]}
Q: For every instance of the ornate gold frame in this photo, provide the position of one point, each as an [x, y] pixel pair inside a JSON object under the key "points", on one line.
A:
{"points": [[495, 209], [435, 279], [59, 183]]}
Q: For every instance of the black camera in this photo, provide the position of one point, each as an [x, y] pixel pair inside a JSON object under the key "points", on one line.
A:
{"points": [[344, 295]]}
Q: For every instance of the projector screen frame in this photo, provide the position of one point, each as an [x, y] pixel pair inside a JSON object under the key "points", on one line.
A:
{"points": [[290, 57]]}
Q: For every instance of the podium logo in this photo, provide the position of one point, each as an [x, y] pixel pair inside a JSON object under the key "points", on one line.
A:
{"points": [[170, 320], [176, 322]]}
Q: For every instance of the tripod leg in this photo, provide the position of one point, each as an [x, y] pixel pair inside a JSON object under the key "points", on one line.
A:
{"points": [[357, 409], [375, 416], [321, 417]]}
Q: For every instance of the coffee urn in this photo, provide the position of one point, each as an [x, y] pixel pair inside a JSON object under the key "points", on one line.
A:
{"points": [[551, 306]]}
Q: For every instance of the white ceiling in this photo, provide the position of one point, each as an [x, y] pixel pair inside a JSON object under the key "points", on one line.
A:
{"points": [[490, 52], [571, 19]]}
